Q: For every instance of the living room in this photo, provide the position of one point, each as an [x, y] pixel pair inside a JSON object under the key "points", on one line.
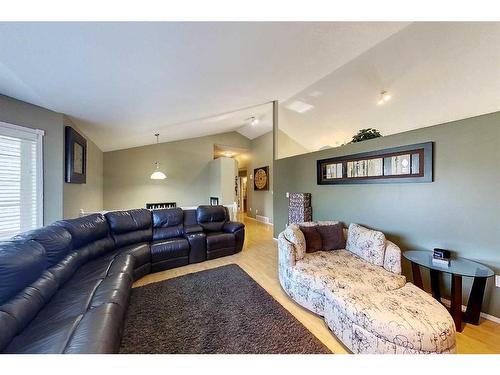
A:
{"points": [[320, 187]]}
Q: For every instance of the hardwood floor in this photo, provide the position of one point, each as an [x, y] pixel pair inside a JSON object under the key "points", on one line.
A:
{"points": [[259, 258]]}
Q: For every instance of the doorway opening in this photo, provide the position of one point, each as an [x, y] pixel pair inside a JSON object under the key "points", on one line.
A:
{"points": [[242, 193]]}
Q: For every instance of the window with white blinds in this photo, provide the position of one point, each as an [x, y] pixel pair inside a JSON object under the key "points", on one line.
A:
{"points": [[21, 179]]}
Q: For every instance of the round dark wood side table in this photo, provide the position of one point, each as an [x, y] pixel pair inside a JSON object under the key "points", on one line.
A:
{"points": [[458, 267]]}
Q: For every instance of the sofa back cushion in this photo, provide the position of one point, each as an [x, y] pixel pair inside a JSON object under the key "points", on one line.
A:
{"points": [[211, 218], [21, 263], [168, 223], [130, 227], [366, 243], [190, 218], [332, 236], [392, 258], [294, 235], [90, 238], [22, 266], [55, 239], [312, 237], [85, 229]]}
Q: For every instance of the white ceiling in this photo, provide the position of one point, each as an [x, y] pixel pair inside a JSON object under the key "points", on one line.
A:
{"points": [[122, 82], [435, 72]]}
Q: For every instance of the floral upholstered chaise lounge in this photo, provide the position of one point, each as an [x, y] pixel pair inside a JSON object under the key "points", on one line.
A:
{"points": [[362, 295]]}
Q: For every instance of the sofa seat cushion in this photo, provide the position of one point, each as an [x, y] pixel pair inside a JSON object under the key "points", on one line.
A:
{"points": [[76, 298], [102, 267], [406, 318], [55, 327], [71, 301], [219, 241], [169, 249], [48, 337], [342, 269], [99, 331]]}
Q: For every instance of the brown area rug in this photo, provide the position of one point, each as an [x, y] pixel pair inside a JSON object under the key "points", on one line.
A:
{"points": [[222, 310]]}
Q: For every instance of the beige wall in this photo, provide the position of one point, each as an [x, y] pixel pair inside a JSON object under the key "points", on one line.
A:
{"points": [[222, 172], [61, 200], [186, 164], [287, 146], [261, 155], [88, 196], [20, 113]]}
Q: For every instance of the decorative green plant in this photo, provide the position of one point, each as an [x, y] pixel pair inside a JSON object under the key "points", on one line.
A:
{"points": [[365, 134]]}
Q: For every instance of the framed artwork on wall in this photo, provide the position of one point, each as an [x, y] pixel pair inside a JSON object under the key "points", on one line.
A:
{"points": [[261, 178], [75, 157]]}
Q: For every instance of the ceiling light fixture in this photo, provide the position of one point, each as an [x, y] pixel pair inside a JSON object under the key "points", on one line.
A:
{"points": [[228, 154], [253, 121], [157, 174], [384, 97]]}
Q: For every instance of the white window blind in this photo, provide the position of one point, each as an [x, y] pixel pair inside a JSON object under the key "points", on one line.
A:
{"points": [[21, 179]]}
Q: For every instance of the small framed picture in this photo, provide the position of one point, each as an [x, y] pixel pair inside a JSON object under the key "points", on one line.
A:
{"points": [[261, 178], [75, 157]]}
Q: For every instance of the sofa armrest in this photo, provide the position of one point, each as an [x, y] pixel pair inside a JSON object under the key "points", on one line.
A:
{"points": [[286, 252], [197, 247], [188, 229], [232, 226], [392, 257]]}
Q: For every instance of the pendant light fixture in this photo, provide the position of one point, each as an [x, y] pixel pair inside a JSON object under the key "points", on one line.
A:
{"points": [[157, 174]]}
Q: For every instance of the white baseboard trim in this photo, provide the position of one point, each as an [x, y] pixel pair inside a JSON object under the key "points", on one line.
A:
{"points": [[262, 222], [493, 318], [263, 219]]}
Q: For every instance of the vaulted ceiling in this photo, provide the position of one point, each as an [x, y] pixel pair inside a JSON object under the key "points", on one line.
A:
{"points": [[122, 82], [436, 72]]}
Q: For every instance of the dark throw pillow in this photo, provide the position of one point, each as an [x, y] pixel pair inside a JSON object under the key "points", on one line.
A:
{"points": [[313, 239], [332, 236]]}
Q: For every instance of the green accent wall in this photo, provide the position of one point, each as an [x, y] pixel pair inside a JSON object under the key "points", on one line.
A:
{"points": [[460, 210]]}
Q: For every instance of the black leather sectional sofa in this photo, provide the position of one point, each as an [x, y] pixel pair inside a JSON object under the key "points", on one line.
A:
{"points": [[64, 288]]}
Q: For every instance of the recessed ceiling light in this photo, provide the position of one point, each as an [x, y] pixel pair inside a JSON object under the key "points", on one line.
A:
{"points": [[252, 120], [228, 154], [384, 97]]}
